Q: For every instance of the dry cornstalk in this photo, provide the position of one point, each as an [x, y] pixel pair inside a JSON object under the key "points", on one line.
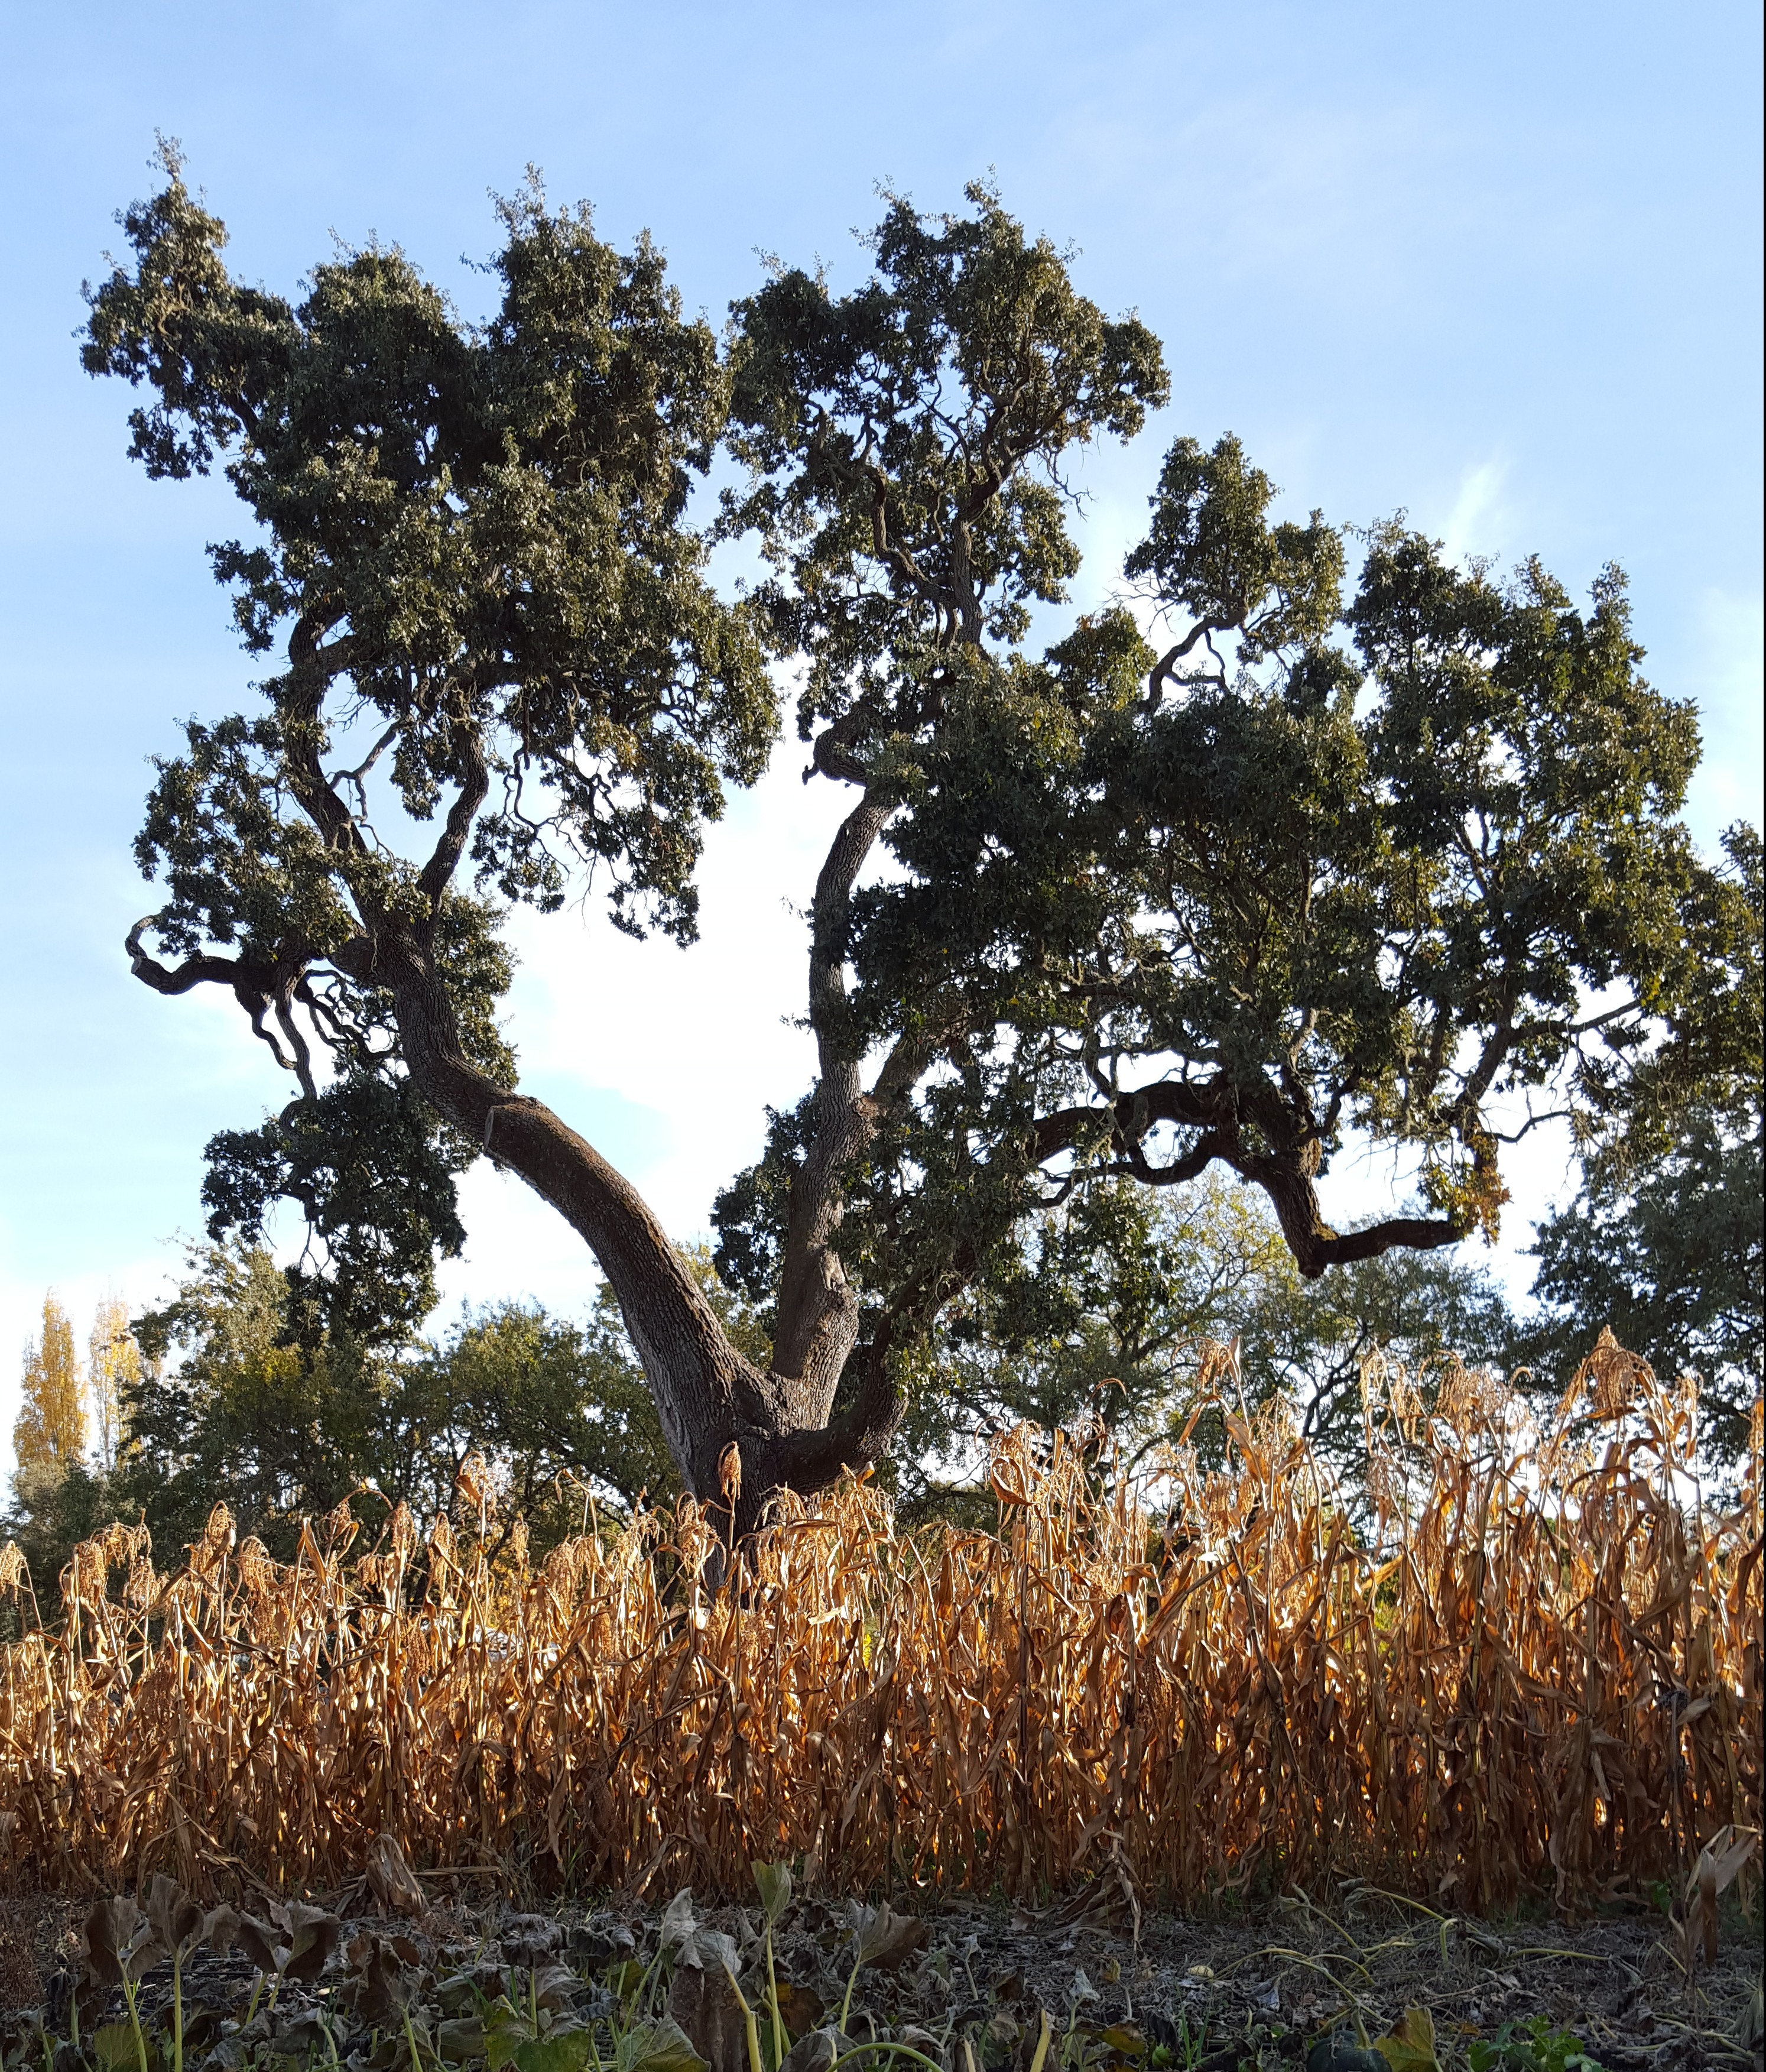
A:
{"points": [[1535, 1669]]}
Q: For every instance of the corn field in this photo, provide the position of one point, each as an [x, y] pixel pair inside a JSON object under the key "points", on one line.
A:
{"points": [[1525, 1661]]}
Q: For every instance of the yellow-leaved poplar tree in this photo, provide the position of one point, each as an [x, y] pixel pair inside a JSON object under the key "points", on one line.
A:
{"points": [[51, 1431], [112, 1366]]}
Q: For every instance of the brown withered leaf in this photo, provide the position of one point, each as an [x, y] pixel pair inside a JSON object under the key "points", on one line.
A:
{"points": [[104, 1936], [391, 1879], [702, 1998], [383, 1979], [460, 2039], [307, 2038], [310, 1934], [202, 2028], [1107, 1906], [464, 1992], [1719, 1862], [800, 2008], [817, 2051], [530, 1938], [883, 1940], [180, 1923], [260, 1940], [553, 1985], [117, 1943], [175, 1916]]}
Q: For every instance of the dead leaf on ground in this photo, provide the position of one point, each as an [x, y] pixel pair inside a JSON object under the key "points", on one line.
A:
{"points": [[702, 1998], [884, 1941], [391, 1879], [1411, 2047]]}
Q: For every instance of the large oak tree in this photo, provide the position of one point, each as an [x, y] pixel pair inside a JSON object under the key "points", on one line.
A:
{"points": [[1308, 867]]}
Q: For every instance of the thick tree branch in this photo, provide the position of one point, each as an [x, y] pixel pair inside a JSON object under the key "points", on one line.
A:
{"points": [[1160, 674], [1478, 1083], [312, 668], [818, 1312], [432, 880], [1207, 1148], [261, 990], [703, 1387], [1286, 1174], [1126, 1120], [1394, 1233], [173, 979], [832, 754], [812, 1460]]}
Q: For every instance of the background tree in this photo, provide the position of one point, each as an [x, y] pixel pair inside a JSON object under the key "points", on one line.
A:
{"points": [[1094, 1321], [1099, 1327], [563, 1414], [1309, 1340], [1663, 1239], [112, 1368], [51, 1430], [1224, 903], [563, 1411], [55, 1500], [242, 1402]]}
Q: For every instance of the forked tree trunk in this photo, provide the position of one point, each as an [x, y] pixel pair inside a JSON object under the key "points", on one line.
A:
{"points": [[710, 1398]]}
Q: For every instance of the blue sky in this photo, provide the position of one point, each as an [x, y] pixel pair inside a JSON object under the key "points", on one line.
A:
{"points": [[1498, 266]]}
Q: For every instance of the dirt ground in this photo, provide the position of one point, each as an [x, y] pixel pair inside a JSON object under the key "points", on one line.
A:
{"points": [[1124, 1990]]}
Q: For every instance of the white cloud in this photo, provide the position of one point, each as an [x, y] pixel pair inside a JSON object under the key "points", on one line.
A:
{"points": [[1479, 514], [694, 1041], [665, 1058]]}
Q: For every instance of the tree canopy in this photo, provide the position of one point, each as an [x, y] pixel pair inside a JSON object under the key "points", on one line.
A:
{"points": [[1256, 862]]}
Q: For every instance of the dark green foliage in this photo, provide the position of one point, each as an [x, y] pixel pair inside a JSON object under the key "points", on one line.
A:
{"points": [[751, 1214], [247, 1401], [907, 442], [1531, 2046], [495, 515], [562, 1412], [1210, 551], [1093, 1324], [1239, 924], [480, 529], [1405, 865], [369, 1166], [1663, 1241], [1672, 1262]]}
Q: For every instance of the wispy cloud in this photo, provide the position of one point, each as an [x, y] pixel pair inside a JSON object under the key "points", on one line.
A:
{"points": [[1479, 519]]}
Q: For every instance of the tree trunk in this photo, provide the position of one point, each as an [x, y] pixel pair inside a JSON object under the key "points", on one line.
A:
{"points": [[818, 1311], [708, 1397]]}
